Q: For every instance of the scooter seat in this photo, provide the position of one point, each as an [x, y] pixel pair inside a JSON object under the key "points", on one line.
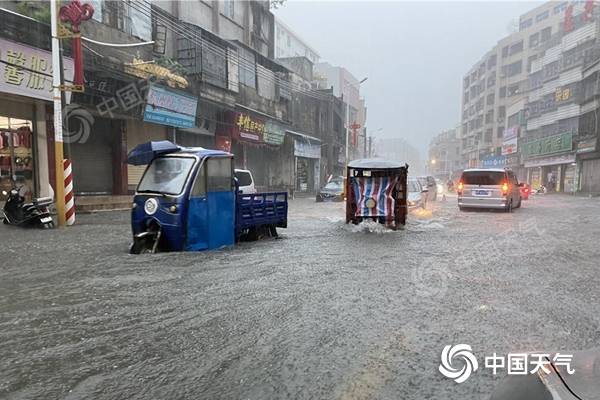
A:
{"points": [[43, 201]]}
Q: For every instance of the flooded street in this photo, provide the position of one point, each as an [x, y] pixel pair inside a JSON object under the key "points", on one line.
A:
{"points": [[327, 311]]}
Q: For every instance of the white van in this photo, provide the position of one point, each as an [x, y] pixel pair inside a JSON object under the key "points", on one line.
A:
{"points": [[245, 181]]}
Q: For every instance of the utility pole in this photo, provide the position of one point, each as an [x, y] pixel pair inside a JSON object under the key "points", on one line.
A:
{"points": [[348, 114], [59, 180]]}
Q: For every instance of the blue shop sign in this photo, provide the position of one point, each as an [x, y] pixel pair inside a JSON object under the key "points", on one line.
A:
{"points": [[493, 162], [167, 107]]}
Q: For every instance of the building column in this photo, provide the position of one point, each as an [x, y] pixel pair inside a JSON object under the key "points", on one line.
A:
{"points": [[119, 150], [43, 182]]}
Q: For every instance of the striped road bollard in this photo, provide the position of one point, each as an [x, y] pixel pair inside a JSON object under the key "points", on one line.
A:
{"points": [[69, 198]]}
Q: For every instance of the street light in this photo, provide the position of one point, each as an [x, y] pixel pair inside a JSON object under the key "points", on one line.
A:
{"points": [[348, 113]]}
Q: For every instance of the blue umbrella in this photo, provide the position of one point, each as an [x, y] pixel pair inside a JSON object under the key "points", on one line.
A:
{"points": [[143, 153]]}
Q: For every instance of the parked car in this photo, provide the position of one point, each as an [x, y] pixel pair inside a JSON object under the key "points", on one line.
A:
{"points": [[332, 191], [429, 183], [489, 188], [416, 196], [245, 181]]}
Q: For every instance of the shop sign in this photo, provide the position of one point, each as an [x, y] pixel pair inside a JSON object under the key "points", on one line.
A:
{"points": [[167, 107], [512, 160], [223, 143], [249, 128], [303, 148], [274, 133], [586, 146], [509, 146], [562, 94], [554, 160], [493, 162], [147, 70], [548, 145], [27, 71], [511, 132]]}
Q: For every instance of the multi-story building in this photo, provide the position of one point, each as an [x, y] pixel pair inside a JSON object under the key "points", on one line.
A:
{"points": [[445, 153], [558, 147], [289, 44], [347, 86], [499, 80], [212, 62]]}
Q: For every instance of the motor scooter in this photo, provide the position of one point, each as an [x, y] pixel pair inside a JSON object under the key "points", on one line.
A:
{"points": [[27, 215]]}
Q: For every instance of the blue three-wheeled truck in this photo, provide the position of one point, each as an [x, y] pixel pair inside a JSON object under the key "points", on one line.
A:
{"points": [[188, 200]]}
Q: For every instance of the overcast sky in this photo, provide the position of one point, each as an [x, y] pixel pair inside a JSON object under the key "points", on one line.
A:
{"points": [[414, 54]]}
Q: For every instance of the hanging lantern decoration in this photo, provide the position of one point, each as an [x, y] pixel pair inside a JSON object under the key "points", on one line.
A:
{"points": [[75, 13]]}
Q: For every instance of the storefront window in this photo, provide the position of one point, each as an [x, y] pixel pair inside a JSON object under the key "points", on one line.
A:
{"points": [[16, 156]]}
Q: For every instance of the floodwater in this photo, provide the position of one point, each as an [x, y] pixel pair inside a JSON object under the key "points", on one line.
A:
{"points": [[327, 311]]}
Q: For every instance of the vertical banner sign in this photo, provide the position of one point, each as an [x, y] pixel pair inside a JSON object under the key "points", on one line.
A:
{"points": [[58, 135]]}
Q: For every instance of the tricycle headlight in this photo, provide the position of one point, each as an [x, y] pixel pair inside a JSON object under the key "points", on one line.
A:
{"points": [[173, 209]]}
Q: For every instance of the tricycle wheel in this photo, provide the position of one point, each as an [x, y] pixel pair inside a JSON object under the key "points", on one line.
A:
{"points": [[142, 246], [273, 231]]}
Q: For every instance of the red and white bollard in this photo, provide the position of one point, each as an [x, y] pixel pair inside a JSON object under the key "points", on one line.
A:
{"points": [[69, 198]]}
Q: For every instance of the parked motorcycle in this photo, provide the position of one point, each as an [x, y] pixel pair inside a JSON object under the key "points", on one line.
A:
{"points": [[28, 215]]}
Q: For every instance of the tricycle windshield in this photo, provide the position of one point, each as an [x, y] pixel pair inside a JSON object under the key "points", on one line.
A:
{"points": [[166, 175]]}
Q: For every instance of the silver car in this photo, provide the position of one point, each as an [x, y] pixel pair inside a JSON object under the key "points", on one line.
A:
{"points": [[489, 188]]}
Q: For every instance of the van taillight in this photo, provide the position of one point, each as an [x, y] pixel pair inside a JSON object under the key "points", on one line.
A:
{"points": [[461, 186], [505, 188]]}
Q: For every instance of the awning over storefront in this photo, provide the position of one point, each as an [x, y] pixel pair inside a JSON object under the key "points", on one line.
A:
{"points": [[306, 146], [304, 136], [553, 160]]}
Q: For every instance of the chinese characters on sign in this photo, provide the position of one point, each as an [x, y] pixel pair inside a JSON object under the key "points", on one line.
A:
{"points": [[166, 107], [509, 146], [274, 133], [493, 162], [250, 128], [549, 145], [562, 94], [511, 132], [27, 71]]}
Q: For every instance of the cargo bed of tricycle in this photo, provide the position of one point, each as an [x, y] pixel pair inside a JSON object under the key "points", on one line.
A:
{"points": [[260, 210]]}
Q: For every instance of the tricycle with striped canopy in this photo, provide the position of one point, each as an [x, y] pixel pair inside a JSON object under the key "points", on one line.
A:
{"points": [[376, 190]]}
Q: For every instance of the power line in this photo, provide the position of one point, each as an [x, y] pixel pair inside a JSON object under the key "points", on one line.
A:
{"points": [[244, 63]]}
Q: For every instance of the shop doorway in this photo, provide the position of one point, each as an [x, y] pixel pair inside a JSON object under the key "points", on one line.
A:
{"points": [[93, 160], [590, 176], [17, 163]]}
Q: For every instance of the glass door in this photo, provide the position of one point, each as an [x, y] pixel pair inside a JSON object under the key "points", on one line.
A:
{"points": [[16, 156]]}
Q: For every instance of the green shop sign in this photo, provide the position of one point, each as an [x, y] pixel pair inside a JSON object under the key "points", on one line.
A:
{"points": [[274, 133], [548, 145]]}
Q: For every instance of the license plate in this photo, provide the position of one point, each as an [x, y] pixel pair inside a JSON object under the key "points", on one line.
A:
{"points": [[481, 192], [45, 220]]}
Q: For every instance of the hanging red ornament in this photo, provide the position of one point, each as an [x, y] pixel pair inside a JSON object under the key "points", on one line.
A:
{"points": [[75, 13]]}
